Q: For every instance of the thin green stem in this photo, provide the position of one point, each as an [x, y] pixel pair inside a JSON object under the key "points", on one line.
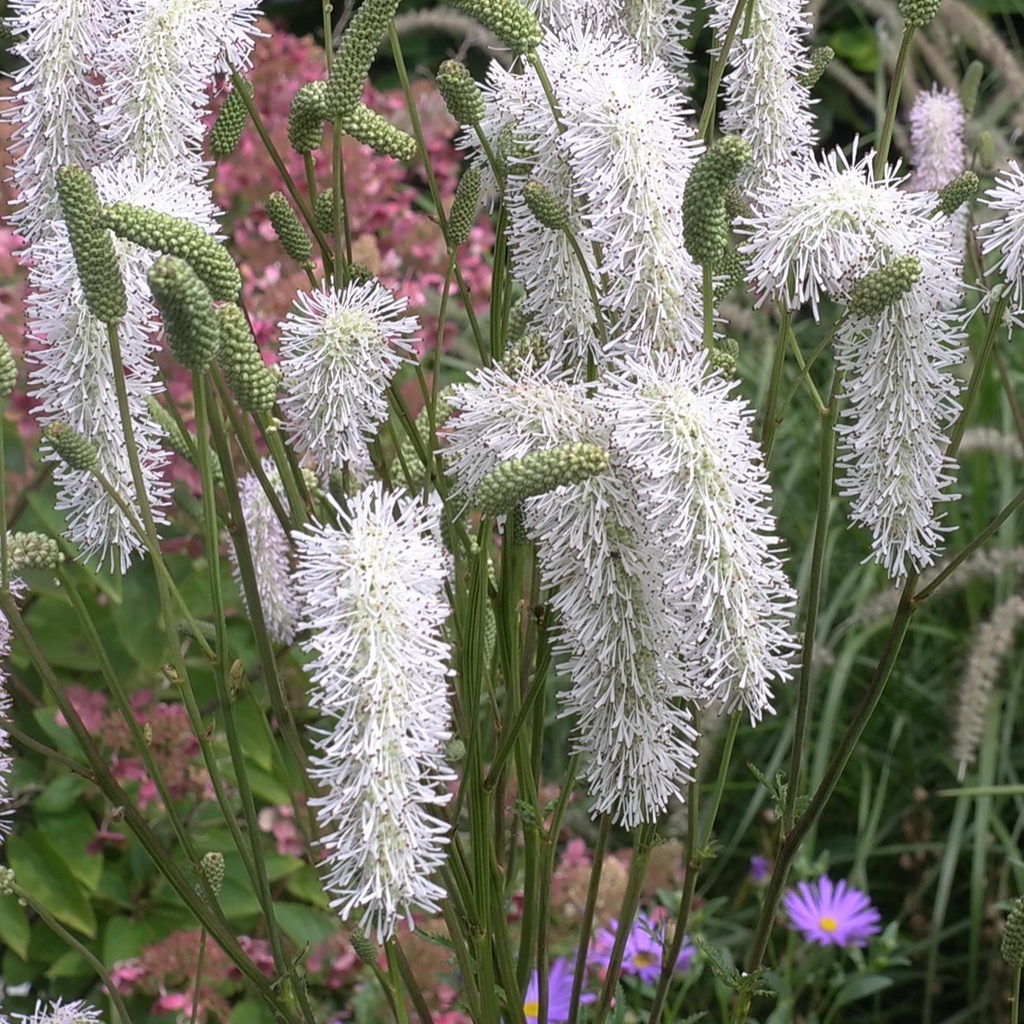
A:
{"points": [[4, 567], [87, 954], [394, 983], [199, 975], [587, 924], [770, 423], [707, 114], [1015, 995], [892, 105]]}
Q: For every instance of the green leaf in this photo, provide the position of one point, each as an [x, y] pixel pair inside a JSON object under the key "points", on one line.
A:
{"points": [[304, 924], [14, 931], [860, 987], [60, 795], [70, 833], [42, 872], [255, 737], [137, 619], [305, 886], [70, 964], [250, 1011], [268, 788], [125, 937]]}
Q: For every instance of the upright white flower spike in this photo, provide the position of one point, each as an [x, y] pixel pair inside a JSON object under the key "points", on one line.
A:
{"points": [[372, 596], [704, 491], [937, 149], [271, 551], [338, 352], [1004, 233], [765, 103], [824, 227]]}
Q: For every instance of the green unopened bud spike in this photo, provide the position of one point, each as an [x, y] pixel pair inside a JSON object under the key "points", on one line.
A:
{"points": [[212, 867], [92, 245], [880, 288], [460, 92], [253, 384], [231, 118], [957, 192], [365, 948], [32, 551], [323, 211], [820, 58], [724, 355], [705, 222], [190, 323], [464, 206], [306, 117], [377, 132], [1012, 945], [510, 21], [176, 237], [285, 223], [543, 204], [987, 150], [514, 481], [917, 13], [8, 369], [970, 85], [71, 447], [355, 54]]}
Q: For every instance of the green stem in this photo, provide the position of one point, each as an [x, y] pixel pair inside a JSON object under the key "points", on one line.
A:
{"points": [[587, 924], [199, 975], [410, 984], [769, 424], [90, 958], [707, 115], [394, 979], [892, 105], [1015, 995], [826, 465]]}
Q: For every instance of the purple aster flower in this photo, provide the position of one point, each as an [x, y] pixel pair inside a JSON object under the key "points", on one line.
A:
{"points": [[831, 915], [758, 870], [559, 994], [643, 952]]}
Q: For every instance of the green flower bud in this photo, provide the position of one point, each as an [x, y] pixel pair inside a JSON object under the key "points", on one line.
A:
{"points": [[528, 350], [32, 551], [285, 223], [6, 881], [464, 206], [1012, 945], [212, 867], [93, 247], [176, 237], [323, 211], [460, 92], [71, 447], [705, 223], [190, 323], [253, 384], [377, 132], [516, 325], [518, 520], [454, 751], [970, 85], [957, 192], [355, 54], [821, 57], [169, 425], [360, 273], [545, 207], [723, 356], [730, 267], [514, 481], [918, 12], [8, 369], [231, 118], [510, 21], [880, 288], [306, 117], [364, 948], [987, 150]]}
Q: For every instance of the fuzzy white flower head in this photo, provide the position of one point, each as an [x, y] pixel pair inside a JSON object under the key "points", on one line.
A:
{"points": [[704, 490], [270, 550], [764, 102], [338, 352], [1005, 232], [938, 151], [372, 595], [59, 1012], [56, 99]]}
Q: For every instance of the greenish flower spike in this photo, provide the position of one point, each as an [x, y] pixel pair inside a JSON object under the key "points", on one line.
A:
{"points": [[514, 481], [169, 425], [377, 132], [306, 117], [462, 216], [253, 384], [1012, 945], [970, 85], [231, 118], [460, 92], [92, 245], [510, 21], [212, 867], [6, 882], [285, 223], [545, 207], [355, 54], [730, 269], [987, 150], [880, 288], [32, 551], [323, 211], [176, 237], [723, 356], [821, 57], [705, 221], [415, 473], [8, 369], [917, 13], [527, 350], [366, 949], [957, 192], [190, 323], [70, 446]]}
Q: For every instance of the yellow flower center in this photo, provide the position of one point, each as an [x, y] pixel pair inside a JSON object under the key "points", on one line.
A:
{"points": [[531, 1008], [643, 959], [827, 924]]}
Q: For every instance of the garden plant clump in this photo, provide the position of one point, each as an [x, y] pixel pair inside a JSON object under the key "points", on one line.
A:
{"points": [[524, 535]]}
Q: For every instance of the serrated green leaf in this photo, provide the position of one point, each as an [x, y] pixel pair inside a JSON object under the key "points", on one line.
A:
{"points": [[306, 887], [42, 872], [304, 924], [70, 833], [14, 930], [268, 788], [60, 795]]}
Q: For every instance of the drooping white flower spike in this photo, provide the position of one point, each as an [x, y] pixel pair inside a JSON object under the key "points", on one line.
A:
{"points": [[372, 596], [824, 227], [338, 353]]}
